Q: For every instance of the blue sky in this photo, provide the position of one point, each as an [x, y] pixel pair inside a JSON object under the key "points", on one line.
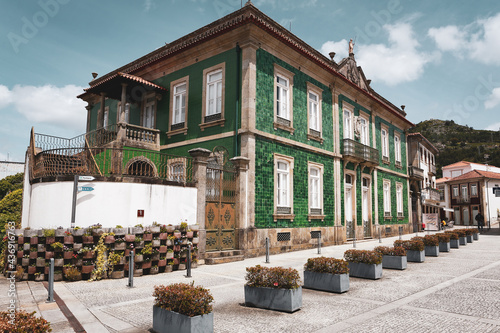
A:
{"points": [[439, 58]]}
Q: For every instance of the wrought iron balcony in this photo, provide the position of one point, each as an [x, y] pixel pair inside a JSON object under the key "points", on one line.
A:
{"points": [[359, 152], [416, 172]]}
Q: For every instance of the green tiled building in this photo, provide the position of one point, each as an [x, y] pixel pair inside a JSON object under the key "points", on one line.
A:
{"points": [[299, 143]]}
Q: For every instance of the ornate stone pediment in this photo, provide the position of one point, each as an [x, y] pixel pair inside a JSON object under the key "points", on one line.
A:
{"points": [[353, 72]]}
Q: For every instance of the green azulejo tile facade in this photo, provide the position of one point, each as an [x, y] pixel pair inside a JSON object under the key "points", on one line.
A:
{"points": [[264, 186], [394, 215], [265, 102]]}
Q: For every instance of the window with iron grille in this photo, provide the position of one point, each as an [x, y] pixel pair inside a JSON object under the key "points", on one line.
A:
{"points": [[283, 236]]}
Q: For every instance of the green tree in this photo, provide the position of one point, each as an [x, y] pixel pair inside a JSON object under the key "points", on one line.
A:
{"points": [[11, 183]]}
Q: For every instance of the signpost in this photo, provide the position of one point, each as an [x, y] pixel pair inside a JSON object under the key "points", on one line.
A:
{"points": [[77, 189]]}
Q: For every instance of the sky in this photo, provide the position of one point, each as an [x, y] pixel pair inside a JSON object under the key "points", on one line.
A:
{"points": [[441, 59]]}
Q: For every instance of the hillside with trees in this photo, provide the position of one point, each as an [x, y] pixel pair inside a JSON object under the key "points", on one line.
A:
{"points": [[460, 143]]}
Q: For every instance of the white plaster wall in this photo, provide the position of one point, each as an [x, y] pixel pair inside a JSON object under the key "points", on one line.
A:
{"points": [[493, 202], [109, 204]]}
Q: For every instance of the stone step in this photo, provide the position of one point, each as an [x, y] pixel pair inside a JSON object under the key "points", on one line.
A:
{"points": [[223, 260], [227, 253]]}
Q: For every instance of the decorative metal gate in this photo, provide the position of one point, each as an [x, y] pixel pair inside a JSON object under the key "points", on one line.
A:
{"points": [[220, 202], [367, 226]]}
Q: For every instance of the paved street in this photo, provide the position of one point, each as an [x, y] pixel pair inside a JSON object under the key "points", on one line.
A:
{"points": [[458, 291]]}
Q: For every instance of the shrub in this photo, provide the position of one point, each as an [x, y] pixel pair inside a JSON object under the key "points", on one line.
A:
{"points": [[72, 274], [327, 265], [410, 245], [57, 245], [363, 256], [474, 231], [452, 234], [469, 232], [272, 277], [49, 233], [184, 298], [184, 225], [443, 237], [461, 232], [23, 322], [431, 240], [391, 251]]}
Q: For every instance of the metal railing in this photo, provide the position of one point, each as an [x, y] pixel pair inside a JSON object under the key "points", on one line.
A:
{"points": [[112, 162], [360, 151], [431, 194], [93, 138]]}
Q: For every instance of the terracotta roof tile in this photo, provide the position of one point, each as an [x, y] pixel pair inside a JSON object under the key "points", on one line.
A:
{"points": [[477, 174]]}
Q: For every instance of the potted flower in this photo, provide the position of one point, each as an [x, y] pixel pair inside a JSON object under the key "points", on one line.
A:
{"points": [[87, 267], [364, 263], [110, 238], [147, 236], [77, 232], [189, 233], [182, 307], [462, 236], [468, 234], [170, 228], [431, 243], [39, 276], [327, 274], [183, 226], [50, 235], [454, 239], [169, 267], [120, 243], [34, 239], [156, 242], [58, 275], [177, 234], [68, 238], [274, 288], [71, 273], [87, 237], [414, 249], [119, 230], [154, 270], [444, 242], [57, 246], [115, 259], [393, 257]]}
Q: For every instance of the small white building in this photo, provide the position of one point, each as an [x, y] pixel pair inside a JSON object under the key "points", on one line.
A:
{"points": [[8, 168], [469, 189]]}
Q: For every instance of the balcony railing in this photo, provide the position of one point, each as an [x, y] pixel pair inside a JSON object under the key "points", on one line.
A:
{"points": [[360, 152], [416, 172], [462, 199], [432, 169], [139, 134], [431, 194], [111, 162]]}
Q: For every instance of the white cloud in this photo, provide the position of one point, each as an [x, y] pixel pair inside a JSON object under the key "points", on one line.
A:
{"points": [[493, 100], [400, 61], [479, 41], [340, 48], [147, 5], [493, 127], [46, 104]]}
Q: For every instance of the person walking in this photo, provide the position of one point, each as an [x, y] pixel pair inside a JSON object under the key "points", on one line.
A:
{"points": [[480, 221]]}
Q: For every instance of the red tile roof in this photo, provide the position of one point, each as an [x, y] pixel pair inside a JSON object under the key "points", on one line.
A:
{"points": [[477, 174], [458, 164], [442, 180]]}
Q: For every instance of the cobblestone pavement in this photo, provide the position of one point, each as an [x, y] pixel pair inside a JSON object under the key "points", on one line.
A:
{"points": [[458, 291]]}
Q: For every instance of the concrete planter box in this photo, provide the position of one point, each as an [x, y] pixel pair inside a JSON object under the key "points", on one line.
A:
{"points": [[365, 271], [287, 300], [444, 247], [454, 243], [168, 321], [415, 256], [469, 239], [475, 236], [120, 231], [462, 240], [335, 283], [432, 251], [394, 262]]}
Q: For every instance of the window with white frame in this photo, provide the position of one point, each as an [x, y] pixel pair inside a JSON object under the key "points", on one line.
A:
{"points": [[105, 119], [283, 184], [464, 192], [282, 97], [363, 131], [177, 169], [473, 190], [315, 189], [127, 112], [387, 197], [385, 143], [314, 116], [399, 199], [397, 149], [149, 112], [348, 198], [213, 95], [347, 124], [454, 192], [179, 107]]}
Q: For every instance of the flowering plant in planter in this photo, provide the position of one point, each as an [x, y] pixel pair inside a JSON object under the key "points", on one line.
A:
{"points": [[461, 232], [184, 298], [57, 246], [25, 322], [430, 240], [453, 234], [444, 237], [363, 256], [410, 245], [391, 251], [272, 277], [327, 265]]}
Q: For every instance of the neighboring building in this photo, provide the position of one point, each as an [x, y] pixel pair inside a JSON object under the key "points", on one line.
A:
{"points": [[296, 143], [469, 189], [425, 196], [8, 168]]}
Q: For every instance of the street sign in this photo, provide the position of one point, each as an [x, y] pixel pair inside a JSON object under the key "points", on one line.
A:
{"points": [[85, 178], [85, 188]]}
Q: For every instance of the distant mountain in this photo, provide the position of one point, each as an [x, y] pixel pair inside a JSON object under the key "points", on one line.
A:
{"points": [[460, 143]]}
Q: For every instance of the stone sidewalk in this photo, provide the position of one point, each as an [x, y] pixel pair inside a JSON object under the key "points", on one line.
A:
{"points": [[455, 292]]}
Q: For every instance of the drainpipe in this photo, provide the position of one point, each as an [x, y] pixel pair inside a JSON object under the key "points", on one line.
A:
{"points": [[238, 92]]}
